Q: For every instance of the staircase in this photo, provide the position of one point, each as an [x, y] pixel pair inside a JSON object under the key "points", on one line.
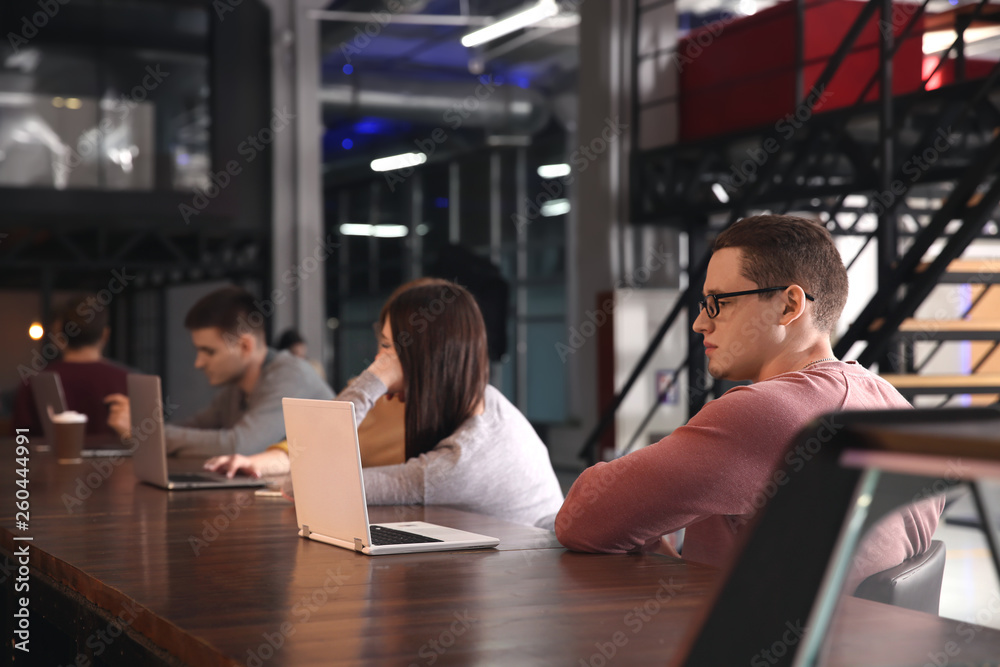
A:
{"points": [[979, 325], [916, 173]]}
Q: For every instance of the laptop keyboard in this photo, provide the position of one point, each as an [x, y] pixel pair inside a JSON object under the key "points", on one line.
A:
{"points": [[191, 477], [382, 536]]}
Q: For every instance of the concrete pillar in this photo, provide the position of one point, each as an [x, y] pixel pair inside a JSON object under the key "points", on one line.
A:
{"points": [[600, 193], [298, 228]]}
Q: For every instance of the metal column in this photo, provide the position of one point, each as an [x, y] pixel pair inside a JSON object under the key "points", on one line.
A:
{"points": [[454, 203], [310, 298], [887, 231], [415, 244], [521, 288]]}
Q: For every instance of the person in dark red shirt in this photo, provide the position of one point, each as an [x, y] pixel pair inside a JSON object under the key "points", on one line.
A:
{"points": [[87, 377]]}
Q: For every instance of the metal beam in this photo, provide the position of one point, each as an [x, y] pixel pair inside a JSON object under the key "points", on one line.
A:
{"points": [[832, 66], [454, 202], [401, 19], [888, 236], [310, 298], [904, 270], [446, 20], [973, 221], [283, 157], [521, 288]]}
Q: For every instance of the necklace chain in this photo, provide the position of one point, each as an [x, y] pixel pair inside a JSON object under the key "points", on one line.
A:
{"points": [[818, 361]]}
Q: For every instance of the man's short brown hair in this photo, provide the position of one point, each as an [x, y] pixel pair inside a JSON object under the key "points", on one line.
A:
{"points": [[787, 250], [83, 320], [230, 309]]}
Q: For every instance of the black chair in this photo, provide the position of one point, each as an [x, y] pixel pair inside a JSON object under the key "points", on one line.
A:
{"points": [[864, 469], [915, 583]]}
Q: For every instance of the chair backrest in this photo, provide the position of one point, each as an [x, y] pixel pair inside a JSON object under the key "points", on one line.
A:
{"points": [[866, 465], [915, 583]]}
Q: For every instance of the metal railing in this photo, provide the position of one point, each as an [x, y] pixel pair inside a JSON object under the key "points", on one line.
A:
{"points": [[896, 271]]}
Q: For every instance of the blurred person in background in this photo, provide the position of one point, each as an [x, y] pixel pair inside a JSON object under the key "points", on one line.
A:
{"points": [[293, 341], [87, 377], [244, 417]]}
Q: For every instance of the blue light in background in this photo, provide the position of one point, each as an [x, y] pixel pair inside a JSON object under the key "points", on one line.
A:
{"points": [[522, 81], [441, 202], [359, 134], [348, 69], [371, 126]]}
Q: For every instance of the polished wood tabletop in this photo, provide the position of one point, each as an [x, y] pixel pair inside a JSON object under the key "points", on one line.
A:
{"points": [[220, 577], [871, 633]]}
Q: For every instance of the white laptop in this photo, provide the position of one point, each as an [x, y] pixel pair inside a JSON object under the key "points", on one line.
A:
{"points": [[329, 488], [149, 460], [50, 399]]}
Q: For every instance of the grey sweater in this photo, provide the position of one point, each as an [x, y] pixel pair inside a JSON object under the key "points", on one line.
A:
{"points": [[230, 425], [493, 464]]}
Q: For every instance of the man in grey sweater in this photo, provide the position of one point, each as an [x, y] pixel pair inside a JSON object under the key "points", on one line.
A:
{"points": [[245, 417]]}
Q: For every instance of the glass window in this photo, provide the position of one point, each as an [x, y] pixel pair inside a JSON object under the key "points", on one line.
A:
{"points": [[115, 100], [475, 205], [547, 300], [546, 399]]}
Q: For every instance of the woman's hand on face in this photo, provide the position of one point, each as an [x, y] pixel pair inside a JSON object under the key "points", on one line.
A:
{"points": [[387, 368]]}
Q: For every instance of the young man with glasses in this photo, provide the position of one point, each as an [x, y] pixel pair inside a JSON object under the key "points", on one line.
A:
{"points": [[774, 290]]}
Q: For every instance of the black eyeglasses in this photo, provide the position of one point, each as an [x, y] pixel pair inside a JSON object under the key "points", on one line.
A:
{"points": [[710, 303]]}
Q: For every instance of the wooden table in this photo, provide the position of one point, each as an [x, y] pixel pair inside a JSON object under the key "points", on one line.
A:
{"points": [[221, 578]]}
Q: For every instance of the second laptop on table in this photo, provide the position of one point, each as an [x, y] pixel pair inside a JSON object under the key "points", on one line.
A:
{"points": [[150, 458]]}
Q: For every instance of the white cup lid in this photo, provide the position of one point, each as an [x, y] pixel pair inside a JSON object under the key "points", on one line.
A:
{"points": [[69, 417]]}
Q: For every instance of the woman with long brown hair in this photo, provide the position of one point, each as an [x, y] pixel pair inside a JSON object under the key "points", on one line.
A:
{"points": [[466, 444]]}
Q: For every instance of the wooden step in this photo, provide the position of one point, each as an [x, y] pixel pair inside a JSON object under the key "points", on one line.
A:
{"points": [[960, 271], [951, 19], [980, 383], [917, 329]]}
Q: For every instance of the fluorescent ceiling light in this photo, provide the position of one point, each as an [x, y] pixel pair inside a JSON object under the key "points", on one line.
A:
{"points": [[541, 10], [720, 192], [390, 231], [16, 99], [352, 229], [555, 207], [855, 201], [939, 40], [378, 231], [398, 161], [553, 170]]}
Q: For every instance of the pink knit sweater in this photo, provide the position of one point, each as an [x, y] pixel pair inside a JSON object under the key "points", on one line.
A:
{"points": [[712, 474]]}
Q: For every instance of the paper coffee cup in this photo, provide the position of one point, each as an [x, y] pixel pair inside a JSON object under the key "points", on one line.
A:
{"points": [[70, 429]]}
